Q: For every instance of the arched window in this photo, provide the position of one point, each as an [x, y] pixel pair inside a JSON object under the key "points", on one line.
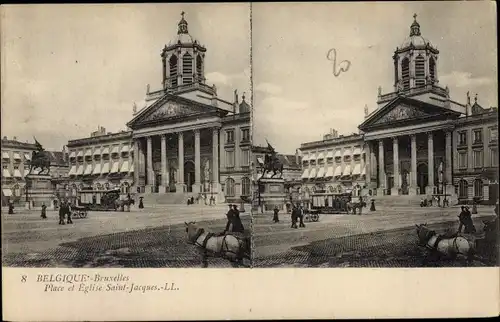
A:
{"points": [[173, 70], [419, 71], [187, 68], [463, 188], [245, 186], [405, 73], [432, 69], [199, 67], [230, 187], [478, 188]]}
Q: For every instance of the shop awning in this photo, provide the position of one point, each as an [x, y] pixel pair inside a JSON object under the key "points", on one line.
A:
{"points": [[115, 168], [79, 172], [321, 156], [72, 171], [329, 155], [114, 150], [72, 155], [17, 156], [347, 152], [363, 171], [338, 154], [312, 157], [88, 170], [27, 156], [5, 155], [312, 174], [125, 148], [338, 171], [6, 173], [88, 153], [357, 151], [97, 152], [17, 174], [329, 172], [80, 154], [131, 167], [321, 173], [305, 174], [7, 192], [125, 167], [105, 151], [97, 169], [357, 170], [105, 168], [305, 158], [347, 170]]}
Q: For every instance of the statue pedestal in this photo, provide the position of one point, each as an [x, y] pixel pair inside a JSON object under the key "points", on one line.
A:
{"points": [[272, 194], [40, 191]]}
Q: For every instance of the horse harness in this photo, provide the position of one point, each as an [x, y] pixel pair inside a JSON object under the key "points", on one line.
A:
{"points": [[439, 238], [205, 240]]}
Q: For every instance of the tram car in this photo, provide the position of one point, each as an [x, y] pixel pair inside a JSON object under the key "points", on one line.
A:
{"points": [[329, 203], [99, 200]]}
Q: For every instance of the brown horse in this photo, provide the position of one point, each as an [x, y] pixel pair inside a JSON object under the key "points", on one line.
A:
{"points": [[232, 247]]}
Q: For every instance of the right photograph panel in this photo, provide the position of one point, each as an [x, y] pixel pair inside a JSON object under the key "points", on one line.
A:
{"points": [[375, 135]]}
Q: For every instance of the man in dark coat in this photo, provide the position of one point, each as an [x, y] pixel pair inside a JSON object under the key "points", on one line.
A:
{"points": [[229, 216], [68, 213], [275, 217], [295, 216], [44, 211], [301, 216], [62, 212], [237, 224], [11, 207]]}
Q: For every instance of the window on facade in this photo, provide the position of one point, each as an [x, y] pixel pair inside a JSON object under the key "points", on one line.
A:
{"points": [[230, 136], [187, 68], [245, 135], [463, 189], [477, 158], [229, 159], [478, 188], [462, 160], [245, 186], [493, 134], [338, 159], [478, 136], [462, 138], [432, 69], [245, 158], [229, 191], [405, 73], [199, 66], [347, 158], [419, 71], [494, 157], [173, 70]]}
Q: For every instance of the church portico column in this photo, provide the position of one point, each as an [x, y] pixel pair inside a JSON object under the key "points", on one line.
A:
{"points": [[450, 189], [164, 173], [215, 161], [149, 165], [381, 166], [197, 162], [430, 165], [413, 177], [180, 187], [367, 165], [136, 164], [395, 153]]}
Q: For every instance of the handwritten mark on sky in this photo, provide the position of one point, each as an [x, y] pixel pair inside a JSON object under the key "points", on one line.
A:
{"points": [[343, 66]]}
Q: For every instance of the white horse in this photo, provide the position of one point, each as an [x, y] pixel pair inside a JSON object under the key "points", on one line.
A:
{"points": [[448, 246], [234, 248]]}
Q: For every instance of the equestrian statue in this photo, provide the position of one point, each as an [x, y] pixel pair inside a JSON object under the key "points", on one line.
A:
{"points": [[272, 163], [40, 159]]}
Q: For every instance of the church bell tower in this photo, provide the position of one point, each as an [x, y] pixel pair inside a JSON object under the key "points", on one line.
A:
{"points": [[183, 61], [415, 62]]}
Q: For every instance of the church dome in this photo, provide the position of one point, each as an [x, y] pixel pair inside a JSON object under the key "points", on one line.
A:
{"points": [[183, 35], [415, 38], [184, 38]]}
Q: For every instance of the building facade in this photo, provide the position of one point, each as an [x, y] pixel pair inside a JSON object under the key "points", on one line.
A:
{"points": [[419, 141]]}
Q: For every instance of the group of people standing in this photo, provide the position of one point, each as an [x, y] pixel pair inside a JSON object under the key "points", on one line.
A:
{"points": [[234, 220]]}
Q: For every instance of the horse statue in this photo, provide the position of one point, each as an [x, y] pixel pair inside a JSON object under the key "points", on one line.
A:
{"points": [[272, 163], [40, 159], [232, 247], [448, 245]]}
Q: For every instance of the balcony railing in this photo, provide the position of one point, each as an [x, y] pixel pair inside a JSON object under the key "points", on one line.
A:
{"points": [[415, 90]]}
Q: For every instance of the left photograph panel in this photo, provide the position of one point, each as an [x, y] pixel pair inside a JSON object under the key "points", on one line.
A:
{"points": [[126, 135]]}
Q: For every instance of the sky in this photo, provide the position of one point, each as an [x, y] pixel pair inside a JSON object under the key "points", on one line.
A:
{"points": [[67, 69], [297, 98]]}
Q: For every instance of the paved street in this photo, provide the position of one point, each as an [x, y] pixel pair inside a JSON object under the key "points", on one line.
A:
{"points": [[375, 239], [150, 237]]}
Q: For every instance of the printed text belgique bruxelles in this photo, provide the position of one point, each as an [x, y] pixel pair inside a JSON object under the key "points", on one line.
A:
{"points": [[87, 283]]}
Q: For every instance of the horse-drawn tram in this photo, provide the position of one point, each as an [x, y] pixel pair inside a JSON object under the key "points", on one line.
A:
{"points": [[330, 203], [99, 200]]}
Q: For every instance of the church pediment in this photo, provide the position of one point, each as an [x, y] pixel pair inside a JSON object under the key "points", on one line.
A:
{"points": [[403, 110], [171, 108]]}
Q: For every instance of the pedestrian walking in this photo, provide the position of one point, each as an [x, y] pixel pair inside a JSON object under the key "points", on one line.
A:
{"points": [[68, 214], [295, 215], [62, 212], [275, 217], [44, 211], [237, 224], [301, 217], [229, 216], [141, 204], [372, 206], [11, 207]]}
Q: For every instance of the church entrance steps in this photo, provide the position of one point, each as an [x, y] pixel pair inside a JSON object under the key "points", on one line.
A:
{"points": [[398, 201], [166, 198]]}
